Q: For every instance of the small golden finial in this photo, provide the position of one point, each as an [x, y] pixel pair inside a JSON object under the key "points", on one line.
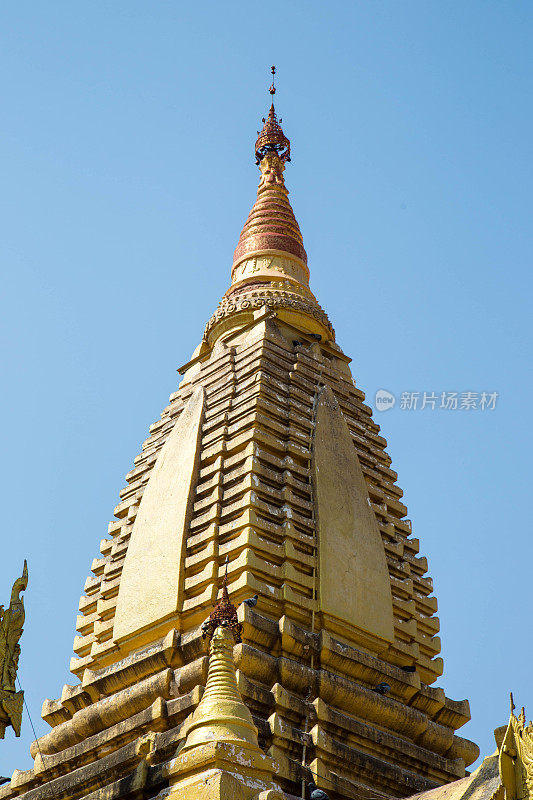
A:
{"points": [[512, 702], [224, 613]]}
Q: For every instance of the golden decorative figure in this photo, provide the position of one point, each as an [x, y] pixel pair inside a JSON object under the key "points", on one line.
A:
{"points": [[516, 757], [11, 625], [271, 170]]}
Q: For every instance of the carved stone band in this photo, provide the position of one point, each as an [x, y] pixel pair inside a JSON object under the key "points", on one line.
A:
{"points": [[268, 266]]}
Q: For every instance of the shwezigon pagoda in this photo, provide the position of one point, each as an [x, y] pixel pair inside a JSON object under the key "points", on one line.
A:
{"points": [[265, 480]]}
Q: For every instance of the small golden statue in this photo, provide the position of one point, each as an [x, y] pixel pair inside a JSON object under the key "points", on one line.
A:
{"points": [[516, 757], [11, 624]]}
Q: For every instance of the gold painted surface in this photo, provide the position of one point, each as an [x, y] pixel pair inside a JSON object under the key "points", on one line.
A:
{"points": [[220, 770], [270, 266], [354, 583], [254, 502], [11, 626], [149, 586], [483, 784]]}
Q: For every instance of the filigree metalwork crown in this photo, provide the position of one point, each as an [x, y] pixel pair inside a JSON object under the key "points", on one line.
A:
{"points": [[224, 615], [272, 139]]}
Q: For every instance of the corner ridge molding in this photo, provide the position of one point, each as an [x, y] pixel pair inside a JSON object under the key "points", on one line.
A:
{"points": [[354, 581], [149, 590]]}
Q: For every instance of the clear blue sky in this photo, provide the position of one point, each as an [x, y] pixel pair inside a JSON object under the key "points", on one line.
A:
{"points": [[126, 161]]}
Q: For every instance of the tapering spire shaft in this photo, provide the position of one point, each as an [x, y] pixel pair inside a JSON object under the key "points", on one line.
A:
{"points": [[271, 227]]}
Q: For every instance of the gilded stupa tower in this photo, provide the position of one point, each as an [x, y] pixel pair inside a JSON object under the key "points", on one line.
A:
{"points": [[266, 458]]}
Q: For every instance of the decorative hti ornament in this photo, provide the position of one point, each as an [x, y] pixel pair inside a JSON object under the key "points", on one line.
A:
{"points": [[224, 614], [272, 139]]}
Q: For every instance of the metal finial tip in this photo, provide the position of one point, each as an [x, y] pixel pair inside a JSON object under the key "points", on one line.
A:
{"points": [[272, 89]]}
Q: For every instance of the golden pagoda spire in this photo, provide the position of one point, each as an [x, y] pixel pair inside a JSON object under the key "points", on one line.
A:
{"points": [[221, 713], [271, 228], [270, 263]]}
